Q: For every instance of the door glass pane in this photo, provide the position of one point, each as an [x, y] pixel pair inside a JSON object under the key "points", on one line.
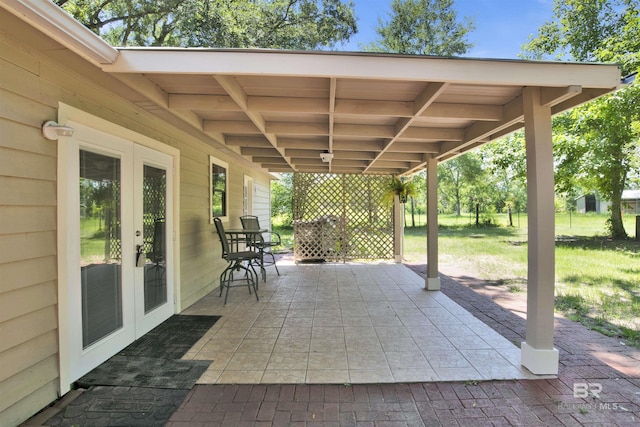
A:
{"points": [[155, 270], [100, 246]]}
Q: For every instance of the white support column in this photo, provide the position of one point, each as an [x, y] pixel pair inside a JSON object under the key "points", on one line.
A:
{"points": [[537, 353], [398, 229], [432, 280]]}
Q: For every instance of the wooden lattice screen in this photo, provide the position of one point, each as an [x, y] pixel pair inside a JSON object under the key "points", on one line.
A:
{"points": [[339, 217]]}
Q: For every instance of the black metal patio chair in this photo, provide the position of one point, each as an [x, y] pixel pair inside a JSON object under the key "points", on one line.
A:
{"points": [[236, 259], [264, 246]]}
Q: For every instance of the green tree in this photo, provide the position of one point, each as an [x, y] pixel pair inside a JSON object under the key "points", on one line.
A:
{"points": [[423, 27], [457, 180], [599, 147], [284, 24], [281, 199], [418, 203], [505, 160]]}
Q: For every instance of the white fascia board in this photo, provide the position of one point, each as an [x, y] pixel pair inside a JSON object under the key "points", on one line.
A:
{"points": [[365, 66], [63, 28]]}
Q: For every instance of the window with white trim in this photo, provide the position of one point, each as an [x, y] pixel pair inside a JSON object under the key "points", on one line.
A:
{"points": [[218, 188]]}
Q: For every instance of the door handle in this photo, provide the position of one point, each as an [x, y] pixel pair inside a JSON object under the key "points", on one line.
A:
{"points": [[139, 256]]}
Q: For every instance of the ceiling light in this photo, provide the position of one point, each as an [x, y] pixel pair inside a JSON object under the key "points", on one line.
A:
{"points": [[52, 130], [326, 157]]}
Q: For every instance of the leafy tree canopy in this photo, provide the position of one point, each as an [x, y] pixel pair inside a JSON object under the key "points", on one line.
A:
{"points": [[283, 24], [423, 27], [597, 144]]}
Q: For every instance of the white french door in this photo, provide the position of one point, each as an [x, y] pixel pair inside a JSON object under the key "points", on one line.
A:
{"points": [[153, 200], [120, 245]]}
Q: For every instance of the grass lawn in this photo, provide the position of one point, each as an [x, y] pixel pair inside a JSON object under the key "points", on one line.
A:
{"points": [[597, 279]]}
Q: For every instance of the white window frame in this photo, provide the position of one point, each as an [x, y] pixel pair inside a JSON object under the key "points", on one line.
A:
{"points": [[217, 162]]}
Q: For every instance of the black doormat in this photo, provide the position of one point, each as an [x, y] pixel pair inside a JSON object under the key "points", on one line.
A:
{"points": [[120, 406], [134, 371], [172, 338], [143, 384], [154, 360]]}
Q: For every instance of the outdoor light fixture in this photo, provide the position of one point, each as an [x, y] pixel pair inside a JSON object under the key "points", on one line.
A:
{"points": [[326, 157], [52, 130]]}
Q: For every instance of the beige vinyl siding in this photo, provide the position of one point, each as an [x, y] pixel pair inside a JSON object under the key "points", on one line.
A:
{"points": [[262, 203], [32, 85], [28, 293]]}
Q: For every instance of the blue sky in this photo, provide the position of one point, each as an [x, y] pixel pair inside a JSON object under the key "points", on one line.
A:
{"points": [[502, 26]]}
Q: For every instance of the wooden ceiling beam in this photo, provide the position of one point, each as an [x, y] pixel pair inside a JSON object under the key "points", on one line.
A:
{"points": [[374, 108], [463, 111], [375, 170], [392, 164], [277, 168], [504, 132], [432, 134], [247, 141], [421, 103], [270, 160], [550, 96], [584, 96], [297, 128], [349, 163], [333, 83], [306, 161], [406, 157], [415, 147], [288, 104], [203, 102], [346, 170], [363, 131], [230, 126], [235, 91], [358, 145], [307, 144], [307, 154], [513, 113], [353, 155], [317, 169], [264, 152]]}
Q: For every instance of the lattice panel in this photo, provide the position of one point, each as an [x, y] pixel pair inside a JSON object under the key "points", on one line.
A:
{"points": [[340, 217], [155, 200], [113, 225]]}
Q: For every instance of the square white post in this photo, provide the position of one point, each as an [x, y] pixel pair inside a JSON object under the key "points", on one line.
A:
{"points": [[432, 280], [398, 229], [537, 353]]}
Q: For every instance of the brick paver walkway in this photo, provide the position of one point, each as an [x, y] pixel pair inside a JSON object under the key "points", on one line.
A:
{"points": [[609, 369]]}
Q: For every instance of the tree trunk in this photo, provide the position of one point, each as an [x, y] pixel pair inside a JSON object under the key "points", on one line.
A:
{"points": [[617, 226], [618, 179], [477, 214], [413, 214]]}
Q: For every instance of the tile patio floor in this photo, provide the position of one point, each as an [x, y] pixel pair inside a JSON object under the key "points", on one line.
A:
{"points": [[350, 323]]}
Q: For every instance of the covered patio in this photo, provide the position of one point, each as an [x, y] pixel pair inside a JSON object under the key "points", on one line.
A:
{"points": [[353, 323], [254, 113], [360, 113]]}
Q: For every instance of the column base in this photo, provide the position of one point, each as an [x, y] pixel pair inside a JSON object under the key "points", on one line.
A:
{"points": [[539, 362], [398, 259], [432, 284]]}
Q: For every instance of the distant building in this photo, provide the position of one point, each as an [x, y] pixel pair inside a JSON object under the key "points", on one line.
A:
{"points": [[631, 201], [594, 203], [591, 203]]}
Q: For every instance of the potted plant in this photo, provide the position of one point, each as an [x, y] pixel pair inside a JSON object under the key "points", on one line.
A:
{"points": [[401, 187]]}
